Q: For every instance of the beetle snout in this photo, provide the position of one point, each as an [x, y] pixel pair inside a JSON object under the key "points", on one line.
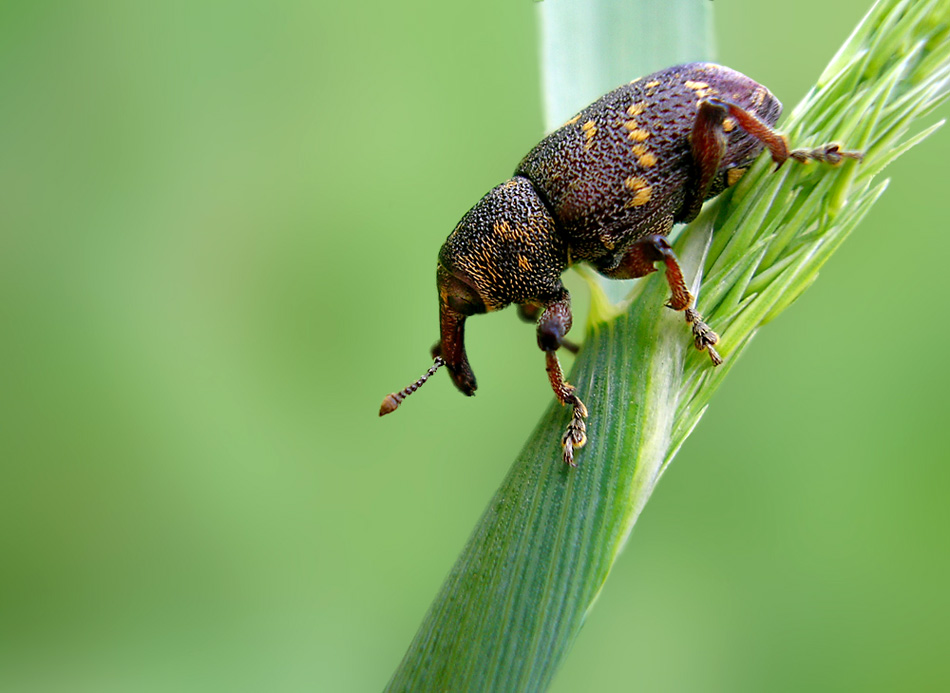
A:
{"points": [[463, 378]]}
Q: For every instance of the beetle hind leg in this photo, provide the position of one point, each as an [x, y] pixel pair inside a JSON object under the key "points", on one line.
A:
{"points": [[777, 143]]}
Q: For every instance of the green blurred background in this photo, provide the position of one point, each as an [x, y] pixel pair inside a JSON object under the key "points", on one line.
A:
{"points": [[218, 227]]}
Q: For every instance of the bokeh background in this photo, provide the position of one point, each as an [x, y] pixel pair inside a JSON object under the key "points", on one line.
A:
{"points": [[218, 226]]}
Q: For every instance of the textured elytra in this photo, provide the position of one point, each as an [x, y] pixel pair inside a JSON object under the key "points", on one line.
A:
{"points": [[621, 169], [642, 133]]}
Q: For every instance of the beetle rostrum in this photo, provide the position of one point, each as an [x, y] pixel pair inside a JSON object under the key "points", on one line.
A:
{"points": [[605, 188]]}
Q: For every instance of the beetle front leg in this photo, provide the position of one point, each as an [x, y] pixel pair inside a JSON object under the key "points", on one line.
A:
{"points": [[640, 260], [553, 324], [530, 312]]}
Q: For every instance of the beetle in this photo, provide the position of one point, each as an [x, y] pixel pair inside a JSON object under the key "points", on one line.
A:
{"points": [[605, 188]]}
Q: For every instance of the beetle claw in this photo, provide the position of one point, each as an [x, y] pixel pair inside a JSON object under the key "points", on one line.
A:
{"points": [[703, 336], [831, 154]]}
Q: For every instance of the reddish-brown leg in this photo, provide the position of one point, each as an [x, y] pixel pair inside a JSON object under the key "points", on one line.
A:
{"points": [[640, 260], [777, 143], [555, 321], [708, 146]]}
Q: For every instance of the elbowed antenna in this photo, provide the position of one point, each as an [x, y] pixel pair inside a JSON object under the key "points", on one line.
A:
{"points": [[394, 399]]}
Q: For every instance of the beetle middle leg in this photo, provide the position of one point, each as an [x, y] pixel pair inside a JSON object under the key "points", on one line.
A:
{"points": [[640, 260], [554, 322]]}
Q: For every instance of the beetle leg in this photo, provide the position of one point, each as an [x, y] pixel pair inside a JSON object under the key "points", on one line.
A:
{"points": [[777, 143], [576, 434], [553, 324], [639, 261], [708, 145], [530, 312]]}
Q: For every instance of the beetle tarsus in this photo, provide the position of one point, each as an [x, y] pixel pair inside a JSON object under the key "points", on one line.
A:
{"points": [[831, 154], [576, 434], [703, 336]]}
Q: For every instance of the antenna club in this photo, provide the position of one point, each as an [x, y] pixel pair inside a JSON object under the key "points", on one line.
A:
{"points": [[394, 399], [390, 402]]}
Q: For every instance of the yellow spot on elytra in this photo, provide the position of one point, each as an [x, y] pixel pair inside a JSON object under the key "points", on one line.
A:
{"points": [[651, 85], [502, 228], [641, 197], [645, 156], [729, 124], [589, 131], [573, 120], [733, 175], [524, 264], [635, 183], [701, 88], [636, 133], [636, 108]]}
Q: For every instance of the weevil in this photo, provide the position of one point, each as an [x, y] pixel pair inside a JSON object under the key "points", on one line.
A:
{"points": [[605, 188]]}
